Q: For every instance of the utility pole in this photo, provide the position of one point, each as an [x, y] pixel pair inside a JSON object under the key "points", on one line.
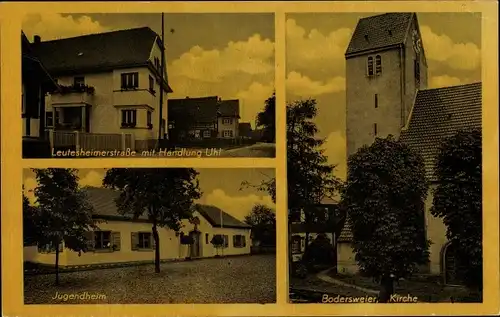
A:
{"points": [[162, 71]]}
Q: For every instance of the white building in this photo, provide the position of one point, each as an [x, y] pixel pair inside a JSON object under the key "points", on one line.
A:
{"points": [[109, 93]]}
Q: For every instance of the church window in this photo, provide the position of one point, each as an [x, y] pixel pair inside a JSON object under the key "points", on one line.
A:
{"points": [[376, 100], [378, 65], [370, 66], [416, 68], [375, 129]]}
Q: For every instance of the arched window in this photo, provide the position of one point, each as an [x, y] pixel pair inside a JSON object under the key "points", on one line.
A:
{"points": [[370, 66], [378, 65]]}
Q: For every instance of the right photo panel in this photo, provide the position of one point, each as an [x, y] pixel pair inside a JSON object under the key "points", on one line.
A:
{"points": [[384, 157]]}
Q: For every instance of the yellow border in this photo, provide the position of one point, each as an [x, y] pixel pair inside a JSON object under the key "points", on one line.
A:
{"points": [[12, 279]]}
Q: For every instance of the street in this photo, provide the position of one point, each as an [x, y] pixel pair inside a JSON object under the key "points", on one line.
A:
{"points": [[244, 279]]}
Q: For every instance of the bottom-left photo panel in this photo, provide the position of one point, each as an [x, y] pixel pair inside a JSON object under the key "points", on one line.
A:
{"points": [[149, 236]]}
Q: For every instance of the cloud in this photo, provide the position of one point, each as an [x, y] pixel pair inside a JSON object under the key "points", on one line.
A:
{"points": [[300, 85], [441, 48], [252, 100], [444, 81], [52, 26], [236, 206], [254, 56], [335, 150], [315, 51]]}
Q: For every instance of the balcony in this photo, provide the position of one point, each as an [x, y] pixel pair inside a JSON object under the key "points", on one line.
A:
{"points": [[73, 95]]}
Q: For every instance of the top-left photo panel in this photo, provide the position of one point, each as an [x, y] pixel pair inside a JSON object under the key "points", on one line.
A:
{"points": [[170, 85]]}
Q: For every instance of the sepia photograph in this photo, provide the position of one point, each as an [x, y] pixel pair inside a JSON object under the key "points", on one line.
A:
{"points": [[148, 85], [148, 236], [384, 162]]}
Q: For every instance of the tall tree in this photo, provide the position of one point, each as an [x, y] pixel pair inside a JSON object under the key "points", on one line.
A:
{"points": [[266, 119], [64, 215], [30, 228], [384, 196], [262, 219], [165, 195], [458, 201], [310, 177]]}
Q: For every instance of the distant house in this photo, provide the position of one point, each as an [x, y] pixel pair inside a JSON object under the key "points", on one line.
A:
{"points": [[110, 86], [36, 83], [122, 239], [245, 130], [323, 223], [204, 118]]}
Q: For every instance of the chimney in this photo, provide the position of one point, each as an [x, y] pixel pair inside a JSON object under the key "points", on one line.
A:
{"points": [[37, 39]]}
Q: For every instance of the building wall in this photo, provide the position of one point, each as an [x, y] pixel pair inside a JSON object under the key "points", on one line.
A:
{"points": [[170, 246], [108, 101], [411, 87], [233, 126], [361, 114], [346, 262]]}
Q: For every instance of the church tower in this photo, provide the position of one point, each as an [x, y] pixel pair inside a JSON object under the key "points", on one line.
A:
{"points": [[385, 66]]}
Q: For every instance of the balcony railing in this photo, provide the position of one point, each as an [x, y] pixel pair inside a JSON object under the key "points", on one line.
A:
{"points": [[74, 94]]}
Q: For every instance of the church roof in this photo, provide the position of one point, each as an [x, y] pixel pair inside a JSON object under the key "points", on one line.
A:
{"points": [[438, 114], [379, 31]]}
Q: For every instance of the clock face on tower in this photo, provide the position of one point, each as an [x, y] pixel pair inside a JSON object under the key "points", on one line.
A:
{"points": [[417, 42]]}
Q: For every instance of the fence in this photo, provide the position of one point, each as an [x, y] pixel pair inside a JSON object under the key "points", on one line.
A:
{"points": [[77, 141], [213, 142]]}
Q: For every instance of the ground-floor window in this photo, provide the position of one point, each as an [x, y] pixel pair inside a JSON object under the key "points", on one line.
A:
{"points": [[102, 240], [239, 241], [296, 244], [142, 240], [227, 133]]}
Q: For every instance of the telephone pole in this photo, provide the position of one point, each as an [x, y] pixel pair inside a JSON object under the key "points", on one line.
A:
{"points": [[162, 71]]}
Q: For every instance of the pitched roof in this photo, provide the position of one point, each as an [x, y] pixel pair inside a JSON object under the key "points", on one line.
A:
{"points": [[213, 216], [230, 108], [203, 109], [379, 31], [123, 48], [438, 114], [103, 201]]}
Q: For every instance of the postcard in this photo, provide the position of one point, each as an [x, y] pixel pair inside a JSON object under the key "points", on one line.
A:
{"points": [[329, 158]]}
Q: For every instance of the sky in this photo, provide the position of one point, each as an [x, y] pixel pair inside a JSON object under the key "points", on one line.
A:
{"points": [[315, 65], [219, 187], [230, 55]]}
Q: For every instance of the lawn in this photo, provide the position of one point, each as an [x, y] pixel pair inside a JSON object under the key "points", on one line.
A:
{"points": [[425, 288], [245, 279]]}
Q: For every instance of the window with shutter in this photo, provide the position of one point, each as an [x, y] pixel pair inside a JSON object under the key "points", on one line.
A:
{"points": [[116, 241], [378, 65], [134, 241], [370, 66]]}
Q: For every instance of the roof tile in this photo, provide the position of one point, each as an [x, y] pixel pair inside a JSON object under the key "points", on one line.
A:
{"points": [[379, 31]]}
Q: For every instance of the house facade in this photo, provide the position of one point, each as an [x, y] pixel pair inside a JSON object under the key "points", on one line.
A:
{"points": [[120, 239], [110, 88], [204, 118], [36, 83], [387, 94]]}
